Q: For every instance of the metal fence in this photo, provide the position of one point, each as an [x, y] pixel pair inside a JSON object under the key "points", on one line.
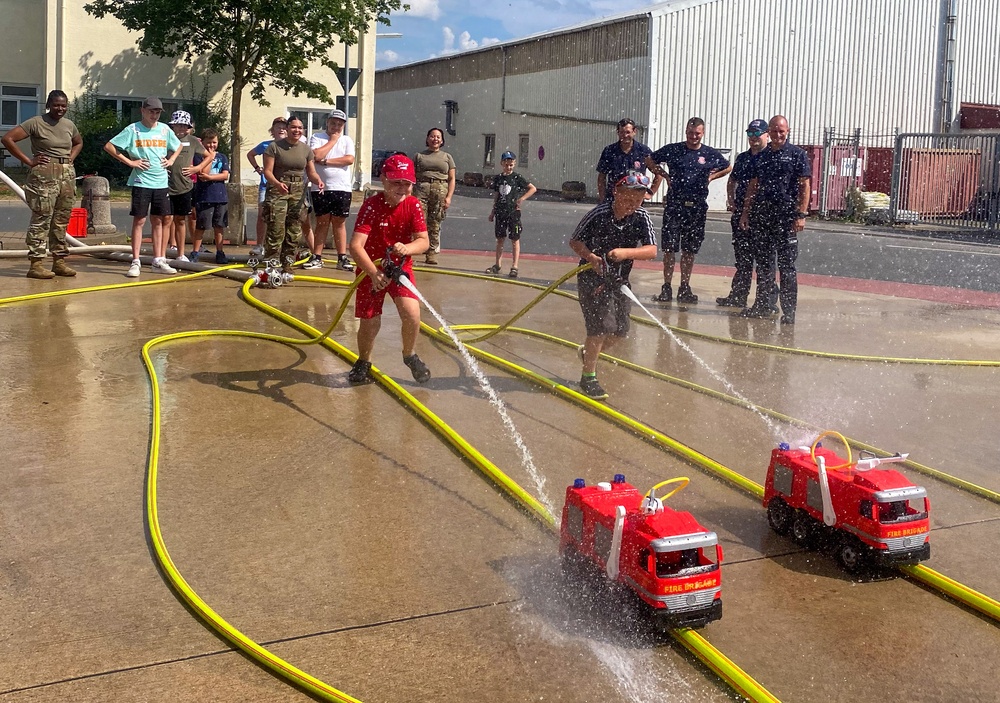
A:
{"points": [[949, 180], [849, 160]]}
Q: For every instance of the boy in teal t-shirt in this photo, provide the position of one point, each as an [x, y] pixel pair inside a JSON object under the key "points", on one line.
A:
{"points": [[149, 148]]}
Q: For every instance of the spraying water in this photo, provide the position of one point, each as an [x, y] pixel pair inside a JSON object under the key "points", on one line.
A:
{"points": [[775, 430], [495, 401]]}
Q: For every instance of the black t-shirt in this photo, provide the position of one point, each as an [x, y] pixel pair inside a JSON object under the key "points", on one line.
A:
{"points": [[601, 232], [689, 169], [616, 163], [741, 175], [778, 173]]}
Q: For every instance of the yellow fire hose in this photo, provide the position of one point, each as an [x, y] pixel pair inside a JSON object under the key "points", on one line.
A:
{"points": [[691, 640]]}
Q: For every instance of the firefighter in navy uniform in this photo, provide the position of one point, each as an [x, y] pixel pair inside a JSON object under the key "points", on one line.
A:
{"points": [[736, 191], [775, 211]]}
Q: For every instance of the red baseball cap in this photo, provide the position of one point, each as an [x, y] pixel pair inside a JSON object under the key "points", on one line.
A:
{"points": [[398, 167]]}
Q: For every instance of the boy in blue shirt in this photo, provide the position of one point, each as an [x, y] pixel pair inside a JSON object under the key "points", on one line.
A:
{"points": [[149, 148], [211, 201], [511, 189]]}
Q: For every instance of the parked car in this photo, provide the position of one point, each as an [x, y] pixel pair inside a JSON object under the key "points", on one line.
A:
{"points": [[378, 158]]}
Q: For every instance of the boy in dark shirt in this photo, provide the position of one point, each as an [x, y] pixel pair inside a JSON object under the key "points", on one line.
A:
{"points": [[610, 237], [511, 189], [211, 201]]}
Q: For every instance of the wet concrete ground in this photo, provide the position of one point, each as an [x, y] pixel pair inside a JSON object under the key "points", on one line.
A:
{"points": [[331, 525]]}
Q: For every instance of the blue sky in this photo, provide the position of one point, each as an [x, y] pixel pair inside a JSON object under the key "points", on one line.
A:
{"points": [[434, 28]]}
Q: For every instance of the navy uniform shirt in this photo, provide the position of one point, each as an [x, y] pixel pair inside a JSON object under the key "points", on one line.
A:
{"points": [[778, 173], [601, 232], [689, 170], [741, 175], [616, 163]]}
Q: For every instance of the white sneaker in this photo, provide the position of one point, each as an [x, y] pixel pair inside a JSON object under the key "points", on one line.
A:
{"points": [[172, 252], [161, 266], [134, 270], [183, 258]]}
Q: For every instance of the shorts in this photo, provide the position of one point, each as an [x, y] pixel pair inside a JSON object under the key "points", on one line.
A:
{"points": [[149, 201], [605, 308], [508, 225], [336, 203], [368, 303], [262, 191], [683, 226], [307, 202], [212, 215], [182, 203]]}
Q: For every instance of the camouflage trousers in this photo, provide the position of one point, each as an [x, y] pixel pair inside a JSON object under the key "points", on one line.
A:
{"points": [[282, 212], [50, 192], [431, 196]]}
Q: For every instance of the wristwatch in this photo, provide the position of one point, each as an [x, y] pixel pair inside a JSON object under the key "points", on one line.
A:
{"points": [[801, 215]]}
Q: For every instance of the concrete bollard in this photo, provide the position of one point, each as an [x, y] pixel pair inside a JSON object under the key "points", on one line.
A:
{"points": [[97, 201]]}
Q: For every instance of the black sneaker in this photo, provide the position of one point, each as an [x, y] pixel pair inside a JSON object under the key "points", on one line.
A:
{"points": [[592, 389], [344, 264], [666, 294], [788, 318], [360, 373], [421, 374], [761, 312], [684, 295], [730, 302]]}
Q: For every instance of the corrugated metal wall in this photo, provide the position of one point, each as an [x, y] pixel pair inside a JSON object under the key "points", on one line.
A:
{"points": [[850, 63], [977, 34]]}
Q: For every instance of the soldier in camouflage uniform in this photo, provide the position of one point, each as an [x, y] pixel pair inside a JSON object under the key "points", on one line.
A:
{"points": [[51, 186], [286, 162]]}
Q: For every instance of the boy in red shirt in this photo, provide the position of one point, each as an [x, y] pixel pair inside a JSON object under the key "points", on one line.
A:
{"points": [[390, 220]]}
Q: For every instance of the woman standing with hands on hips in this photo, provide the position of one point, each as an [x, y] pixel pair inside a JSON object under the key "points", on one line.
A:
{"points": [[51, 186], [284, 162], [435, 186]]}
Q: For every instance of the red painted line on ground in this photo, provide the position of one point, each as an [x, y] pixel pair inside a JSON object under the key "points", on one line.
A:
{"points": [[913, 291]]}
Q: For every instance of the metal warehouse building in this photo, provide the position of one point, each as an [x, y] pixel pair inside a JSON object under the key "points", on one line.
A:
{"points": [[880, 66]]}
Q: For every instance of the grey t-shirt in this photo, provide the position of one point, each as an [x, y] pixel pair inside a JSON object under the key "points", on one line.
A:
{"points": [[50, 137]]}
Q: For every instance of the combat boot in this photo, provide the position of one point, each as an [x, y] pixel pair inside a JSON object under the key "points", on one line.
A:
{"points": [[61, 268], [37, 270]]}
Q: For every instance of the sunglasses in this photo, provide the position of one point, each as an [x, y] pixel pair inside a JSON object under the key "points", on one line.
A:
{"points": [[635, 179], [755, 133]]}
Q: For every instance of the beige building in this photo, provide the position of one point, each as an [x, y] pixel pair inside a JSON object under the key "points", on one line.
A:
{"points": [[50, 44]]}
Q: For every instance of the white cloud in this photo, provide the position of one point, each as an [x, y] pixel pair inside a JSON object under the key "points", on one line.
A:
{"points": [[390, 55], [465, 42], [424, 8]]}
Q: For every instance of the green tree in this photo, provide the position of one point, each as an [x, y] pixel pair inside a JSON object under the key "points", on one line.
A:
{"points": [[254, 42]]}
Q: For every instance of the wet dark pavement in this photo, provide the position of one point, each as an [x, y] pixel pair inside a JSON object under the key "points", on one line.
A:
{"points": [[331, 523]]}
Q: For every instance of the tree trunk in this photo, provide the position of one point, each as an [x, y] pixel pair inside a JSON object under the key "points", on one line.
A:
{"points": [[237, 206]]}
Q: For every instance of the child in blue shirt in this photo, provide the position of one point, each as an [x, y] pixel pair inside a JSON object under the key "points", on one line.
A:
{"points": [[211, 200]]}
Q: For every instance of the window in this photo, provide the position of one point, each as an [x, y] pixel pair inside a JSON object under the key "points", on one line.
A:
{"points": [[574, 522], [17, 103], [313, 120], [522, 150], [602, 542], [489, 148], [131, 108]]}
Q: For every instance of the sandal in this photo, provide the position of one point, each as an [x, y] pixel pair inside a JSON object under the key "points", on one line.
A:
{"points": [[513, 273], [494, 269]]}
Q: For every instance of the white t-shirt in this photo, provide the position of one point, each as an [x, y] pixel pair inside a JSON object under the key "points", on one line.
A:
{"points": [[334, 177]]}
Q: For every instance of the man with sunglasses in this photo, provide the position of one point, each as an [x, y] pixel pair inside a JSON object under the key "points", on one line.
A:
{"points": [[691, 166], [736, 190], [609, 238], [627, 154], [775, 210]]}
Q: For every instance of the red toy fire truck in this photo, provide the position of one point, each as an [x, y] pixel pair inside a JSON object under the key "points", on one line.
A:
{"points": [[670, 561], [869, 516]]}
